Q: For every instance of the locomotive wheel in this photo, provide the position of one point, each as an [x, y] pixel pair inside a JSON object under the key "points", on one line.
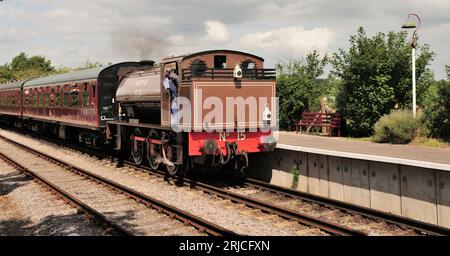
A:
{"points": [[171, 169], [137, 148], [153, 151]]}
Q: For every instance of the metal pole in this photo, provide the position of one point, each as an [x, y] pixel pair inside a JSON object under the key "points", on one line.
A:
{"points": [[414, 80]]}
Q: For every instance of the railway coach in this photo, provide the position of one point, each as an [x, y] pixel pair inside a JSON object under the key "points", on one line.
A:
{"points": [[74, 105]]}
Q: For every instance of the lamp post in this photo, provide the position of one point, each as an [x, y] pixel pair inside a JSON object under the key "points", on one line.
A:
{"points": [[409, 25]]}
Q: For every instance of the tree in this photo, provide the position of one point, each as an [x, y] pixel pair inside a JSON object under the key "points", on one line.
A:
{"points": [[447, 69], [5, 74], [437, 109], [299, 87], [22, 62], [88, 65], [376, 76], [23, 67]]}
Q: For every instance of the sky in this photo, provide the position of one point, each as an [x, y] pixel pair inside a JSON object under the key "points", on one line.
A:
{"points": [[71, 32]]}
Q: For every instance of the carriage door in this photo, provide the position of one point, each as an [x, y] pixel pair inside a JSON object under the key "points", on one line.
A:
{"points": [[165, 96]]}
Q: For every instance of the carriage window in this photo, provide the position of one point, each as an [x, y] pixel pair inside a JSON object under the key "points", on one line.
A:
{"points": [[220, 61], [35, 98], [47, 100], [58, 98], [66, 97], [85, 95], [75, 100], [41, 97], [75, 94]]}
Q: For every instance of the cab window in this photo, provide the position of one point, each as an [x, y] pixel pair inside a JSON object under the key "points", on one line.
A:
{"points": [[220, 61]]}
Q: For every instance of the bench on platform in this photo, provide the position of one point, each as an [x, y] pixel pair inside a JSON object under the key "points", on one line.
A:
{"points": [[318, 119]]}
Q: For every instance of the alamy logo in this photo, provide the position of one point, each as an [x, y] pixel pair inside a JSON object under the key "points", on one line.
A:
{"points": [[225, 114]]}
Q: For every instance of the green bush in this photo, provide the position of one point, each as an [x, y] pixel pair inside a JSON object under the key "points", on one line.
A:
{"points": [[437, 111], [399, 127]]}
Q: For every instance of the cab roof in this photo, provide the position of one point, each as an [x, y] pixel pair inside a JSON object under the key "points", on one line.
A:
{"points": [[189, 55]]}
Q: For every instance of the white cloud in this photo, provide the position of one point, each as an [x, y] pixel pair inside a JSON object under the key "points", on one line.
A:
{"points": [[289, 42], [216, 32]]}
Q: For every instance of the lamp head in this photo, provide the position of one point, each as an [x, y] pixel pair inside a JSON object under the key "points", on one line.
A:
{"points": [[410, 24]]}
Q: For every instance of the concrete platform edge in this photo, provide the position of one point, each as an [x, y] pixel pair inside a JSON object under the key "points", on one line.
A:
{"points": [[393, 160]]}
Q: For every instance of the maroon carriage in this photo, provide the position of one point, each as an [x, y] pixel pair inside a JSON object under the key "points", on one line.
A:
{"points": [[11, 99], [74, 105]]}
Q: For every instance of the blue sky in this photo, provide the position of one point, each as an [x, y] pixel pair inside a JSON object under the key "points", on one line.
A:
{"points": [[71, 32]]}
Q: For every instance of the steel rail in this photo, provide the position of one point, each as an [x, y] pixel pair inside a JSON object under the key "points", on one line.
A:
{"points": [[327, 226], [72, 200], [352, 208], [183, 216]]}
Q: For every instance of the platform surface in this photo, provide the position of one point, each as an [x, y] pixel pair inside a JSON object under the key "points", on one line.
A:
{"points": [[402, 154]]}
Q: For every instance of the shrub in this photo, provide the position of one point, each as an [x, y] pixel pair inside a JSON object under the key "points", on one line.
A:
{"points": [[399, 127], [437, 112]]}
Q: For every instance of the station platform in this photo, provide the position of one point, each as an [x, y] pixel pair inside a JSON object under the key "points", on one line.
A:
{"points": [[405, 180], [420, 156]]}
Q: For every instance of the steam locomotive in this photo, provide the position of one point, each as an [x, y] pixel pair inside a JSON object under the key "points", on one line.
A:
{"points": [[226, 104]]}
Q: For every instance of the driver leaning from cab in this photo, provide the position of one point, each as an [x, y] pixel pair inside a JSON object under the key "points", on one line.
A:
{"points": [[171, 85]]}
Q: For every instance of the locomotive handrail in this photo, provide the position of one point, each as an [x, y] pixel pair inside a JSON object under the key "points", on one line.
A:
{"points": [[224, 73]]}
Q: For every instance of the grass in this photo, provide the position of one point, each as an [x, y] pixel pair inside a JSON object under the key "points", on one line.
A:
{"points": [[418, 141], [359, 139], [430, 142]]}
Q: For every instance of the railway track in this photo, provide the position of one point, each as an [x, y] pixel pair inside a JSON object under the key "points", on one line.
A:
{"points": [[238, 192], [419, 227], [305, 220], [124, 210], [318, 208], [61, 194]]}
